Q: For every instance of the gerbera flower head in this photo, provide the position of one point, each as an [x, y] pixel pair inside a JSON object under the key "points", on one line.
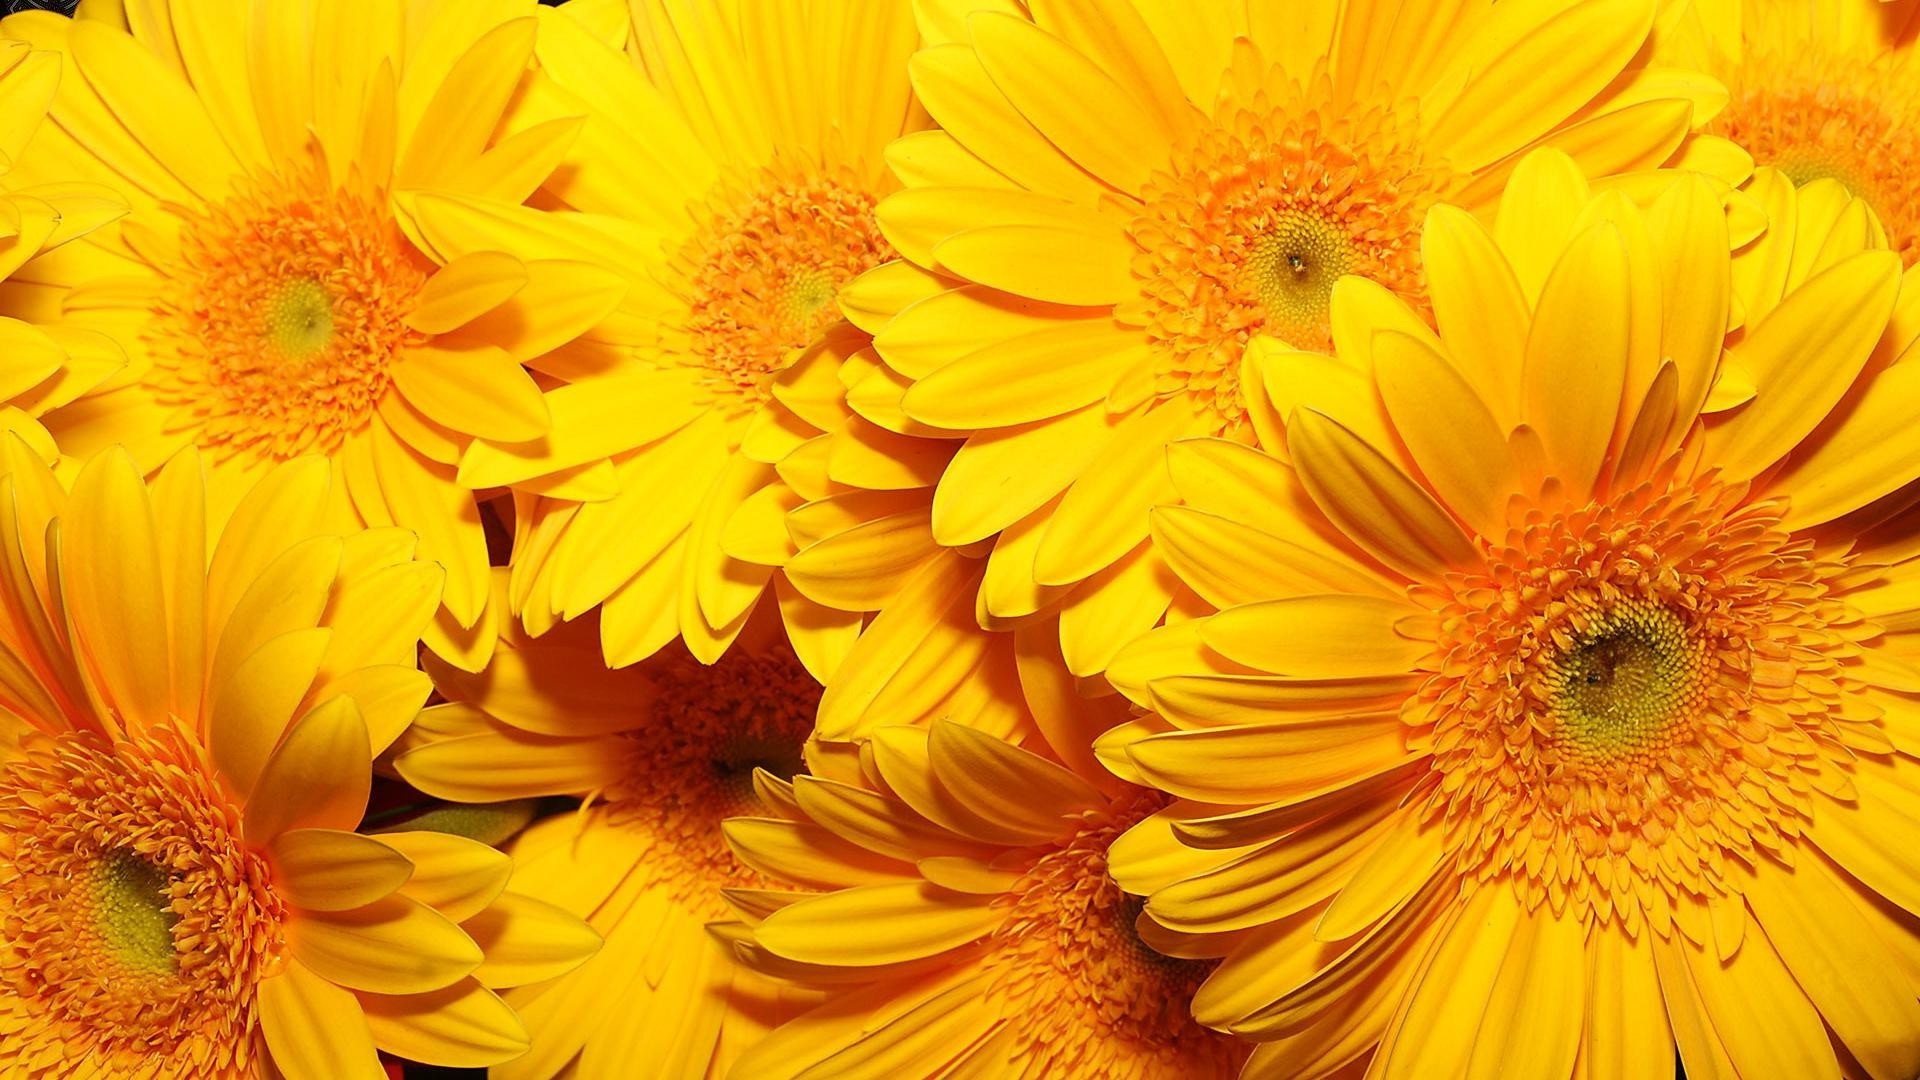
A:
{"points": [[1121, 197], [1826, 90], [191, 717], [662, 751], [736, 218], [1539, 674], [269, 287], [955, 908]]}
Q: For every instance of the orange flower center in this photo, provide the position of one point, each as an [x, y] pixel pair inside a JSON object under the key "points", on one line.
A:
{"points": [[1255, 221], [692, 765], [1086, 995], [764, 275], [1629, 694], [134, 923], [1816, 118], [283, 316]]}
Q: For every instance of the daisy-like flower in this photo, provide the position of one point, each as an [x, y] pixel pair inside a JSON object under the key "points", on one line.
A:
{"points": [[1827, 90], [731, 180], [190, 715], [663, 752], [1548, 724], [1122, 196], [957, 912], [270, 292]]}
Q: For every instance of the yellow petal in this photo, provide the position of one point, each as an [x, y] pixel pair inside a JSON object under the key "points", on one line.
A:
{"points": [[1375, 504], [1558, 65], [877, 924], [500, 762], [1329, 636], [1104, 512], [953, 86], [314, 1029], [1836, 957], [455, 876], [1576, 359], [1448, 428], [331, 870], [480, 391], [112, 587], [1803, 358], [1060, 264], [464, 1026], [527, 941], [318, 778], [1121, 142], [465, 289], [1007, 785], [1271, 762], [253, 707], [392, 946]]}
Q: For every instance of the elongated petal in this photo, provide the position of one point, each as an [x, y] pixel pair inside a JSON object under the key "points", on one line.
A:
{"points": [[877, 924], [331, 870], [393, 946], [315, 1029]]}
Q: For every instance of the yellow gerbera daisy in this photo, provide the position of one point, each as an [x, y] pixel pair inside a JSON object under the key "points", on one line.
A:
{"points": [[728, 170], [185, 747], [268, 287], [958, 911], [41, 367], [662, 752], [1827, 89], [1124, 194], [1548, 724]]}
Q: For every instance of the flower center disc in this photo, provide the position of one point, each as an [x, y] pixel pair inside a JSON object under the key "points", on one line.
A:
{"points": [[283, 316], [1251, 225], [691, 766], [765, 270], [1631, 694], [1622, 687]]}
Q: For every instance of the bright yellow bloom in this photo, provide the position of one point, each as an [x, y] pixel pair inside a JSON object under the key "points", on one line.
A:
{"points": [[728, 170], [1547, 720], [1123, 194], [41, 367], [190, 716], [268, 286], [957, 907], [662, 751], [1827, 89]]}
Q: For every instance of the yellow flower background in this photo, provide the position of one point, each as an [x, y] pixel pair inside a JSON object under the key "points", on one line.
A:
{"points": [[960, 539]]}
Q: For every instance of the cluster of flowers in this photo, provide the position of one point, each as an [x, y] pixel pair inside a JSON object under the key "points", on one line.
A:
{"points": [[960, 539]]}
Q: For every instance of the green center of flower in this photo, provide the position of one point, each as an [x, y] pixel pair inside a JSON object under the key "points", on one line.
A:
{"points": [[1293, 268], [134, 913], [300, 318], [1623, 684]]}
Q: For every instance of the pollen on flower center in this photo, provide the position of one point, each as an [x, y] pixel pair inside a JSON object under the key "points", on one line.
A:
{"points": [[283, 315], [1086, 993], [300, 318], [1625, 685], [135, 916], [1252, 224], [691, 765], [1631, 692], [133, 919], [765, 270]]}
